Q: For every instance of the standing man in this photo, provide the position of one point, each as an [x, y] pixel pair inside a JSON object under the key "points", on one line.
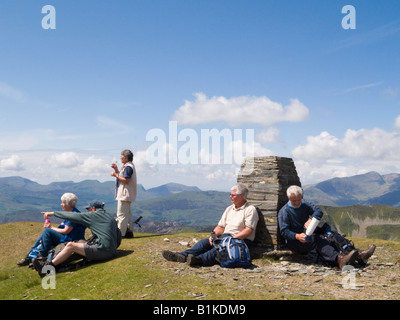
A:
{"points": [[239, 220], [125, 192]]}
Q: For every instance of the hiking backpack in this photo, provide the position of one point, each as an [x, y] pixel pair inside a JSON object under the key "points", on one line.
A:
{"points": [[339, 241], [232, 253]]}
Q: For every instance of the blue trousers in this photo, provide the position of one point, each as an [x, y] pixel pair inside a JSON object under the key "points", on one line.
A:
{"points": [[49, 239], [207, 252], [319, 243]]}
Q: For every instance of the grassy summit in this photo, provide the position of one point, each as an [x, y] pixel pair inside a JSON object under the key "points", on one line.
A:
{"points": [[140, 273]]}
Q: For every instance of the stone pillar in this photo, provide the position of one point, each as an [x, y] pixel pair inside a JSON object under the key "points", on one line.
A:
{"points": [[267, 179]]}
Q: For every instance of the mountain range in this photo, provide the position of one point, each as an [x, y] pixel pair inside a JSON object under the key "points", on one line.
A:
{"points": [[365, 189], [347, 202], [23, 200]]}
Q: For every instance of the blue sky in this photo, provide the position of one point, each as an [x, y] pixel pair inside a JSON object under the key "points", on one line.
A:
{"points": [[111, 72]]}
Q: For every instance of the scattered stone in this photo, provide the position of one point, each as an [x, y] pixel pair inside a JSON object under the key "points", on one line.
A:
{"points": [[278, 253], [272, 276], [253, 270], [367, 275], [305, 294]]}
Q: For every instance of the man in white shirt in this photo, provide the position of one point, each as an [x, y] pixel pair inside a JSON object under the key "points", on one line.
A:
{"points": [[239, 220]]}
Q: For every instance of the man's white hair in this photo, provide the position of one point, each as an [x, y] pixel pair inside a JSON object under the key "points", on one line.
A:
{"points": [[296, 190], [241, 189]]}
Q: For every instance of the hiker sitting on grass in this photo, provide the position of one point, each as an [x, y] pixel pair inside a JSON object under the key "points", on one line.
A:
{"points": [[295, 217], [239, 220], [107, 236], [52, 236]]}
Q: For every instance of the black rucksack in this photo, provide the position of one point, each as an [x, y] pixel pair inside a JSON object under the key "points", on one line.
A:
{"points": [[339, 241]]}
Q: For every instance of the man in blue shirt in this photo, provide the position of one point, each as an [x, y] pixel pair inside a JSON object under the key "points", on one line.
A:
{"points": [[295, 217]]}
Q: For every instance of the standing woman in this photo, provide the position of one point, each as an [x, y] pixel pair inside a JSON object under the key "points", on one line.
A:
{"points": [[125, 192]]}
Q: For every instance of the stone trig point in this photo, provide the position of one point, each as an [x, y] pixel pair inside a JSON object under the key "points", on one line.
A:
{"points": [[267, 179]]}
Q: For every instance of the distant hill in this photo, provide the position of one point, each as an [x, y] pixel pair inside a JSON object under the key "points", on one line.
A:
{"points": [[23, 200], [345, 201], [373, 221], [365, 189], [192, 208]]}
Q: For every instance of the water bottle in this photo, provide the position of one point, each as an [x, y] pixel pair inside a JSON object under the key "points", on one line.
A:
{"points": [[311, 228]]}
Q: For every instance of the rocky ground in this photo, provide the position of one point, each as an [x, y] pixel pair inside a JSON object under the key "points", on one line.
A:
{"points": [[297, 277]]}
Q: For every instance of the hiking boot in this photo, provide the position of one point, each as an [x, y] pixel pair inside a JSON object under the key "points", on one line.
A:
{"points": [[345, 259], [24, 262], [39, 264], [194, 261], [363, 256], [173, 256]]}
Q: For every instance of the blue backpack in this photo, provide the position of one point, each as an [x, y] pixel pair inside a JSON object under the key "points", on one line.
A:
{"points": [[232, 253]]}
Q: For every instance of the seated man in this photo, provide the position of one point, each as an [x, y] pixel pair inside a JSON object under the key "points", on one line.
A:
{"points": [[106, 235], [295, 216], [239, 220]]}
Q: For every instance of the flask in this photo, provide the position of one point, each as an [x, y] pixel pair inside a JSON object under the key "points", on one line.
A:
{"points": [[311, 228]]}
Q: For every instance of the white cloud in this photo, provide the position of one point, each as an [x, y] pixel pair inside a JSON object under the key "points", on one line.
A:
{"points": [[239, 110], [316, 172], [14, 163], [222, 175], [64, 160], [268, 135], [319, 147], [93, 168], [359, 151], [142, 166], [363, 143]]}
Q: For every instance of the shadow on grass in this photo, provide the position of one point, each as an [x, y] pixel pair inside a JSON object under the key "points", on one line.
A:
{"points": [[79, 262]]}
